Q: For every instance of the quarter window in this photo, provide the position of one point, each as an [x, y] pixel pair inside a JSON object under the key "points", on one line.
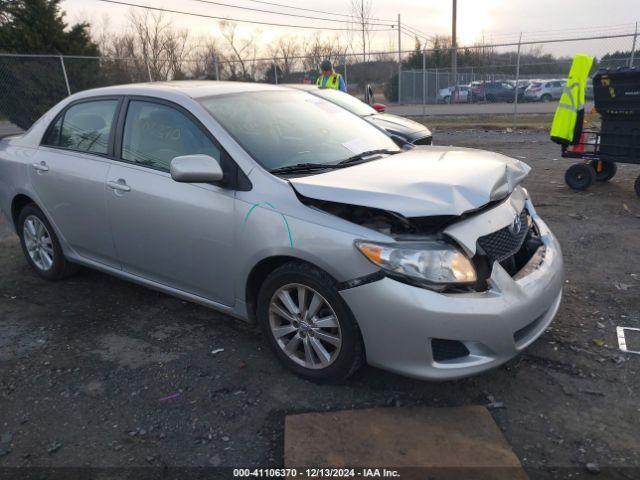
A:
{"points": [[154, 134], [84, 127]]}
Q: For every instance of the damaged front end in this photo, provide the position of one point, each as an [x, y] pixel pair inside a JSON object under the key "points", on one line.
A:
{"points": [[516, 247]]}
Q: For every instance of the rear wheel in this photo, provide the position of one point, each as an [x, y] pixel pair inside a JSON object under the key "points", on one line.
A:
{"points": [[41, 246], [580, 176], [604, 170], [308, 324], [546, 97]]}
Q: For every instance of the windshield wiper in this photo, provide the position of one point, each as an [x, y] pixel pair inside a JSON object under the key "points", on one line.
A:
{"points": [[303, 167], [363, 155]]}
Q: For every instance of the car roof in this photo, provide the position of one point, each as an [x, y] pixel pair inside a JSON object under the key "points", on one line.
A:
{"points": [[300, 86], [189, 88]]}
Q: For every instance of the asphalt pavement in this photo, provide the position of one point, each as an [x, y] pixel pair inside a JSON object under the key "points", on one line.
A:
{"points": [[98, 372]]}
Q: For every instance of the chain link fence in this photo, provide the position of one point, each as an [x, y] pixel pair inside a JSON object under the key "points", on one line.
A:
{"points": [[31, 84]]}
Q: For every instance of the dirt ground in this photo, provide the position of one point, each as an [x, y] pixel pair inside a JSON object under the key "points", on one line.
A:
{"points": [[86, 364]]}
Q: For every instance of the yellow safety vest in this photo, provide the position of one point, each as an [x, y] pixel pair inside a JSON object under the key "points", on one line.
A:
{"points": [[332, 82], [567, 121]]}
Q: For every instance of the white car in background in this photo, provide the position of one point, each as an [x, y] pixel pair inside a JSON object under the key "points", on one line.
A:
{"points": [[544, 90], [445, 95]]}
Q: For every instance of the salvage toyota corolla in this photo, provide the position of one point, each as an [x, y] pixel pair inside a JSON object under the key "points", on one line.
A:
{"points": [[279, 207]]}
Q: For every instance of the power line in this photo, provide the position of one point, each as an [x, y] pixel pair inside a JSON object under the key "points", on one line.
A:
{"points": [[281, 13], [316, 11], [202, 15]]}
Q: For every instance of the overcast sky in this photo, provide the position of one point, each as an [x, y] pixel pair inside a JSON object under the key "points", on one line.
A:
{"points": [[497, 20]]}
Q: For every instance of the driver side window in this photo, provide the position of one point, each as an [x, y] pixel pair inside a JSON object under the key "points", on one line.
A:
{"points": [[154, 134]]}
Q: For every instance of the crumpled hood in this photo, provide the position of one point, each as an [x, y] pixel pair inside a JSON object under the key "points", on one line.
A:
{"points": [[424, 181], [399, 124]]}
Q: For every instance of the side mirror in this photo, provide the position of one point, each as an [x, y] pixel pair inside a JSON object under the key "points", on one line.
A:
{"points": [[369, 95], [196, 169], [379, 107]]}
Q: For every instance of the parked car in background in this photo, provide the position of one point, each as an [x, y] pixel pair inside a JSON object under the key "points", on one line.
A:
{"points": [[445, 95], [544, 90], [400, 128], [281, 208], [501, 91]]}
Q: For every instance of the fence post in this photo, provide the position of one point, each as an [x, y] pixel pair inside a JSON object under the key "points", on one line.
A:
{"points": [[215, 66], [515, 100], [633, 47], [437, 89], [346, 81], [424, 82], [64, 73]]}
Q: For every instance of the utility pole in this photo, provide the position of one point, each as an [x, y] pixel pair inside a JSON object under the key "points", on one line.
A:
{"points": [[454, 51], [399, 61]]}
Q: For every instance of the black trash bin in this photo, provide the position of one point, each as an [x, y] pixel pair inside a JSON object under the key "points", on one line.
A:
{"points": [[616, 93]]}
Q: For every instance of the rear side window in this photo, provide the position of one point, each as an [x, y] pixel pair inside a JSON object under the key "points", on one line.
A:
{"points": [[154, 134], [84, 127]]}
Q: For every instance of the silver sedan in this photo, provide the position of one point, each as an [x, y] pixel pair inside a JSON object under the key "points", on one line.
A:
{"points": [[279, 207]]}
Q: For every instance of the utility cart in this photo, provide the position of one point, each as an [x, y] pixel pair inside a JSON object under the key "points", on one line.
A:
{"points": [[617, 100]]}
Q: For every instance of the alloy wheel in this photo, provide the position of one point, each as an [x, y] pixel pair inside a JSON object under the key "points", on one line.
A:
{"points": [[38, 241], [305, 326]]}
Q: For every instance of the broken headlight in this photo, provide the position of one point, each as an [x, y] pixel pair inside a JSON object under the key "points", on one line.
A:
{"points": [[432, 264]]}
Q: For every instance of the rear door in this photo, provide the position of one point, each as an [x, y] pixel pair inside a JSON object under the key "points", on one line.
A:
{"points": [[69, 174], [180, 235], [557, 89]]}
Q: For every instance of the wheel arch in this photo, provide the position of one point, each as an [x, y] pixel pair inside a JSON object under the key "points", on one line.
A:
{"points": [[261, 271], [17, 204]]}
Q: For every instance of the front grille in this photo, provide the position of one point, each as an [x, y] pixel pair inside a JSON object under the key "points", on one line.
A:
{"points": [[447, 349], [505, 242]]}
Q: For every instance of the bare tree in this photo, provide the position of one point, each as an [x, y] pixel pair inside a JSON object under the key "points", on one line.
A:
{"points": [[204, 57], [243, 51], [361, 11], [162, 47], [285, 51], [318, 48]]}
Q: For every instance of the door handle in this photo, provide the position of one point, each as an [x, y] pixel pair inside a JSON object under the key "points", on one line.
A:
{"points": [[40, 167], [120, 186]]}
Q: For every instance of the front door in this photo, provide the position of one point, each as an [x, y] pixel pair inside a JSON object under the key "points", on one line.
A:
{"points": [[176, 234], [69, 173]]}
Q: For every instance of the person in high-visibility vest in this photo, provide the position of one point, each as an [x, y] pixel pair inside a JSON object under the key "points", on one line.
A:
{"points": [[330, 78], [567, 121]]}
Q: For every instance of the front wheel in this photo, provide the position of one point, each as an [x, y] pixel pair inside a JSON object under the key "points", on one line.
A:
{"points": [[604, 170], [580, 176], [308, 325], [41, 246]]}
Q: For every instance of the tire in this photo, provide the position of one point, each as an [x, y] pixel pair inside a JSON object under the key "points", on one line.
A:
{"points": [[41, 247], [491, 98], [546, 98], [637, 186], [580, 176], [447, 99], [608, 170], [336, 362]]}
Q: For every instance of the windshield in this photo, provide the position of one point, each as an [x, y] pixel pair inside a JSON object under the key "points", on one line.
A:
{"points": [[345, 101], [281, 128]]}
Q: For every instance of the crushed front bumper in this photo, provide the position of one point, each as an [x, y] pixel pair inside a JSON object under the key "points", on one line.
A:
{"points": [[399, 321]]}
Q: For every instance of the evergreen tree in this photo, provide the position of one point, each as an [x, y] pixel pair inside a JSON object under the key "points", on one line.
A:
{"points": [[29, 86]]}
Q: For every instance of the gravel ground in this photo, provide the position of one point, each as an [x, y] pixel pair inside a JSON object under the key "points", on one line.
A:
{"points": [[86, 365]]}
